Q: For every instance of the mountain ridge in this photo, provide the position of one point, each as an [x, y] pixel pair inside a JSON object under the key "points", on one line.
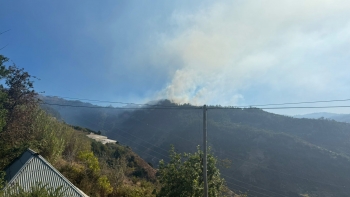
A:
{"points": [[331, 116], [280, 154]]}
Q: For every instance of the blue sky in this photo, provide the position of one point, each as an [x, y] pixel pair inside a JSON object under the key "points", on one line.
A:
{"points": [[214, 52]]}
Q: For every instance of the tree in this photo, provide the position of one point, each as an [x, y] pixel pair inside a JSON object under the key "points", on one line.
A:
{"points": [[88, 158], [182, 176], [20, 90], [3, 70], [18, 101], [104, 185], [3, 95]]}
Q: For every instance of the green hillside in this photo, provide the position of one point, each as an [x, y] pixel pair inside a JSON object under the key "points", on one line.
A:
{"points": [[99, 170], [267, 154], [82, 114]]}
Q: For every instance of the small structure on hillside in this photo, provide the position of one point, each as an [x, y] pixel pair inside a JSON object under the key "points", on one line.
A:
{"points": [[30, 169], [101, 138]]}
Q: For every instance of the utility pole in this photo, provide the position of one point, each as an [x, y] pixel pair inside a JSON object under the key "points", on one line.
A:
{"points": [[205, 178]]}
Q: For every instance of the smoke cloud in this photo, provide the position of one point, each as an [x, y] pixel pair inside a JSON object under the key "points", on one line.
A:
{"points": [[222, 51]]}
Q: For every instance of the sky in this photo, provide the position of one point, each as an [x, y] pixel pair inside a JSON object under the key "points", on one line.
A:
{"points": [[224, 52]]}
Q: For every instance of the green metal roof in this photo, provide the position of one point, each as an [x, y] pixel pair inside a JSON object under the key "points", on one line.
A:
{"points": [[30, 168]]}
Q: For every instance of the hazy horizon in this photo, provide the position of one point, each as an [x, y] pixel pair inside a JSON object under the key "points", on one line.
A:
{"points": [[232, 53]]}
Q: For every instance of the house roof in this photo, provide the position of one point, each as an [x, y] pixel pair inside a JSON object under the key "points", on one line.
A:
{"points": [[31, 168]]}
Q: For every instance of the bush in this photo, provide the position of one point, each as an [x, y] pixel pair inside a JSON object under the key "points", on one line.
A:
{"points": [[38, 190]]}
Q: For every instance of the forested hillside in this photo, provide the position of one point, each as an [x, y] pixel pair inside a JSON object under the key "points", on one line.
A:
{"points": [[97, 169], [80, 113], [262, 152]]}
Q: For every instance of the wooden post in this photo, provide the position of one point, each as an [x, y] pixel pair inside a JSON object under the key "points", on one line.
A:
{"points": [[205, 178]]}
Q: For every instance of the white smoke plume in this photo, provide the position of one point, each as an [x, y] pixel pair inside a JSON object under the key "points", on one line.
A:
{"points": [[224, 48]]}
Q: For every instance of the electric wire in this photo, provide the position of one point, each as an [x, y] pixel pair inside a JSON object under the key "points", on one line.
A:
{"points": [[243, 106], [121, 108], [117, 102], [292, 107], [250, 107], [298, 103], [188, 108]]}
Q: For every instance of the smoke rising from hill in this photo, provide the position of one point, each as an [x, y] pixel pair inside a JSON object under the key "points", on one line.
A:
{"points": [[222, 50]]}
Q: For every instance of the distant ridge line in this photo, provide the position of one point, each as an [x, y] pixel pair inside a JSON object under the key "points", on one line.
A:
{"points": [[181, 107]]}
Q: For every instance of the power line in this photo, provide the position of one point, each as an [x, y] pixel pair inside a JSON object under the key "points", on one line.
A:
{"points": [[4, 47], [245, 106], [179, 107], [120, 108], [5, 31], [115, 102], [220, 108], [305, 107], [297, 103], [190, 108]]}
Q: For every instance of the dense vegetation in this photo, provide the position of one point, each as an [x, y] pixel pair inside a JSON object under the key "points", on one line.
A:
{"points": [[97, 169], [182, 176], [267, 154]]}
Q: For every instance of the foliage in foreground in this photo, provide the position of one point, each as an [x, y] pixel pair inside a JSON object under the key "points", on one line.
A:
{"points": [[96, 169], [182, 176], [38, 190]]}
